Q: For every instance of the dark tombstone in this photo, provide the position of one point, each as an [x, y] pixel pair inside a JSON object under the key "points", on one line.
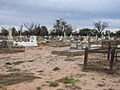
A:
{"points": [[3, 44]]}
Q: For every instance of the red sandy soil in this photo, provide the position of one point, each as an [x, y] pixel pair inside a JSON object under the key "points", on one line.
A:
{"points": [[40, 62]]}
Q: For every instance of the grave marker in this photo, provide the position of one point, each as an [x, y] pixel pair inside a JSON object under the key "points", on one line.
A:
{"points": [[74, 43]]}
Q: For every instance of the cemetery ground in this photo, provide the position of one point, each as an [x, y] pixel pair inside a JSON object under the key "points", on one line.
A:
{"points": [[38, 69]]}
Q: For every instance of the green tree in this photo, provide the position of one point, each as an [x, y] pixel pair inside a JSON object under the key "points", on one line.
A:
{"points": [[43, 31], [94, 32], [53, 33], [68, 30], [14, 32], [62, 28], [26, 33], [31, 27], [107, 33], [58, 27], [4, 32], [20, 30], [37, 30], [84, 32], [118, 33], [112, 34]]}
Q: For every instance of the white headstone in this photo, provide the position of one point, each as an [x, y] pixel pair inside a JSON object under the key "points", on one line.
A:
{"points": [[74, 45], [10, 37], [85, 44], [33, 39]]}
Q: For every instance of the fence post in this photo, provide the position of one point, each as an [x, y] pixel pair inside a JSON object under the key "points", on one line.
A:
{"points": [[112, 60], [109, 48], [85, 58]]}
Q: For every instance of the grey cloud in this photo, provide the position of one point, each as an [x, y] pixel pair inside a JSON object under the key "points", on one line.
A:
{"points": [[78, 12]]}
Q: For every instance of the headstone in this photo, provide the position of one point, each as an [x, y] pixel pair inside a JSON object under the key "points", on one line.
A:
{"points": [[102, 37], [96, 38], [65, 35], [85, 44], [74, 44], [71, 36], [33, 39], [61, 38], [10, 38], [88, 38], [92, 39], [3, 43]]}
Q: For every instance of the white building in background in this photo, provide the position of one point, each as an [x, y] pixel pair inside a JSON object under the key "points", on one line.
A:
{"points": [[32, 42]]}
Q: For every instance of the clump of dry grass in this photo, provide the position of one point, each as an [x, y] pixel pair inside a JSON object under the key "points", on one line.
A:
{"points": [[56, 68]]}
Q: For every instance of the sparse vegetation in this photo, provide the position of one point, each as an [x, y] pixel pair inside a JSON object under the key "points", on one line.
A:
{"points": [[80, 65], [47, 81], [73, 87], [53, 84], [43, 43], [68, 80], [14, 78], [40, 71], [80, 75], [56, 68], [103, 79], [3, 88], [31, 61], [8, 63], [60, 89], [111, 89], [13, 70], [15, 63], [18, 62], [101, 84], [69, 59], [38, 88], [93, 78], [117, 81], [69, 75]]}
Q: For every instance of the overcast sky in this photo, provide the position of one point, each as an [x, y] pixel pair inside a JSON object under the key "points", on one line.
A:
{"points": [[78, 13]]}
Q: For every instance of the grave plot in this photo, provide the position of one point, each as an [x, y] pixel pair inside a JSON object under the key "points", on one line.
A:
{"points": [[32, 42], [74, 49], [7, 47], [59, 43], [12, 49], [68, 52]]}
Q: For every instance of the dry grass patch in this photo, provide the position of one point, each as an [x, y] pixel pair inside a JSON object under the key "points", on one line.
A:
{"points": [[18, 62], [53, 84], [14, 78]]}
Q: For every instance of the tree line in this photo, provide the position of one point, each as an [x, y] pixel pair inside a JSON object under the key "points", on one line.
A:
{"points": [[60, 28], [32, 29]]}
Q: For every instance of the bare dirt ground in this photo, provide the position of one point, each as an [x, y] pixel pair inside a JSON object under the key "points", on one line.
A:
{"points": [[38, 69]]}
